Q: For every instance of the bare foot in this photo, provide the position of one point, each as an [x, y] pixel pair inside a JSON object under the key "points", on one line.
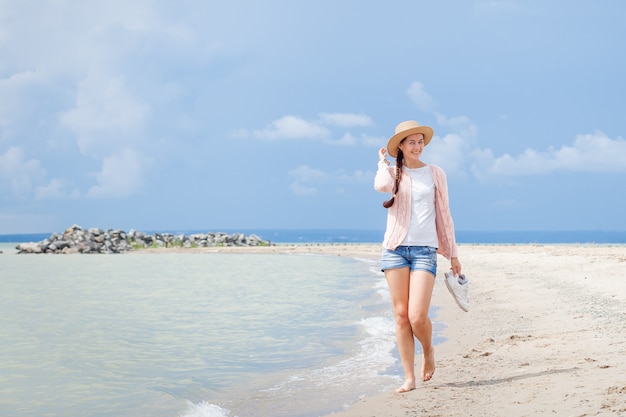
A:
{"points": [[409, 385], [428, 365]]}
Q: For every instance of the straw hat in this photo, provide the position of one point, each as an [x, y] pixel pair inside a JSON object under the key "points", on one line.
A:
{"points": [[404, 129]]}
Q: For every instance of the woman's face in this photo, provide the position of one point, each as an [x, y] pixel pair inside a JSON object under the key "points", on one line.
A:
{"points": [[412, 146]]}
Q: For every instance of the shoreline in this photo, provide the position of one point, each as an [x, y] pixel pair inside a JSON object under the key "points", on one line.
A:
{"points": [[545, 334]]}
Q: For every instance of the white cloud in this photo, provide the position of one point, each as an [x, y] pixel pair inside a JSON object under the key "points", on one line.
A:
{"points": [[449, 153], [420, 97], [14, 91], [69, 37], [373, 141], [345, 119], [459, 154], [305, 173], [106, 115], [121, 176], [56, 189], [18, 173], [308, 181], [346, 140], [356, 177], [458, 124], [291, 127], [591, 153], [302, 190]]}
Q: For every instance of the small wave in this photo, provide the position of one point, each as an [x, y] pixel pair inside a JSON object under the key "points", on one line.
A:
{"points": [[374, 356], [204, 409]]}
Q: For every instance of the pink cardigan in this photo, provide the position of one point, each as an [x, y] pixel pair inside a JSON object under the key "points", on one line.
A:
{"points": [[399, 214]]}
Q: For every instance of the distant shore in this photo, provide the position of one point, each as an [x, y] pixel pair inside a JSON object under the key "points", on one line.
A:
{"points": [[349, 236]]}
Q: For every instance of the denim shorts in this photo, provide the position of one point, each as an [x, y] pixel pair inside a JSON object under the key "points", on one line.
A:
{"points": [[422, 258]]}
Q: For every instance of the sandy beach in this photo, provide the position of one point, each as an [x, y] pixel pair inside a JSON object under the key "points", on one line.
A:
{"points": [[546, 334]]}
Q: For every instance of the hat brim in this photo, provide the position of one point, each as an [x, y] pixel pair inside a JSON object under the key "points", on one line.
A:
{"points": [[392, 145]]}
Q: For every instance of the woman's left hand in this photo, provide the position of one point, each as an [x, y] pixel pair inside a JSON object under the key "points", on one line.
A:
{"points": [[455, 266]]}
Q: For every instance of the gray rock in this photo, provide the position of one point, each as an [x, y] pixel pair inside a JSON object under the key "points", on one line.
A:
{"points": [[75, 239]]}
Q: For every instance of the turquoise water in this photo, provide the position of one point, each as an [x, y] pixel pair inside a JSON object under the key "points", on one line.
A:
{"points": [[191, 334]]}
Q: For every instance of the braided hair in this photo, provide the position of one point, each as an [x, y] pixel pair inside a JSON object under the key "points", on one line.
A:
{"points": [[396, 186]]}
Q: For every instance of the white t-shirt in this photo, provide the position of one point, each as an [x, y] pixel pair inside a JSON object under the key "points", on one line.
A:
{"points": [[422, 230]]}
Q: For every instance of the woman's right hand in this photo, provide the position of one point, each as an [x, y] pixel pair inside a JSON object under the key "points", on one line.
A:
{"points": [[382, 154]]}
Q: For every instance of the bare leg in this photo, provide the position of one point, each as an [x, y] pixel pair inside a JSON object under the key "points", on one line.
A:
{"points": [[398, 281], [420, 294]]}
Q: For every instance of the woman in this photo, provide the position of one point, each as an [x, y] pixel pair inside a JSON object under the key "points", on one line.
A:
{"points": [[419, 225]]}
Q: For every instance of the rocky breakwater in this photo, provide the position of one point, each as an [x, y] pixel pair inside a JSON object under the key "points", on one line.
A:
{"points": [[75, 239]]}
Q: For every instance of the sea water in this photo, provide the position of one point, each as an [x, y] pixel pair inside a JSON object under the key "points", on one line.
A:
{"points": [[191, 335]]}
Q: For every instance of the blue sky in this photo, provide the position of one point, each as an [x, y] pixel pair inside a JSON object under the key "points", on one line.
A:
{"points": [[207, 115]]}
